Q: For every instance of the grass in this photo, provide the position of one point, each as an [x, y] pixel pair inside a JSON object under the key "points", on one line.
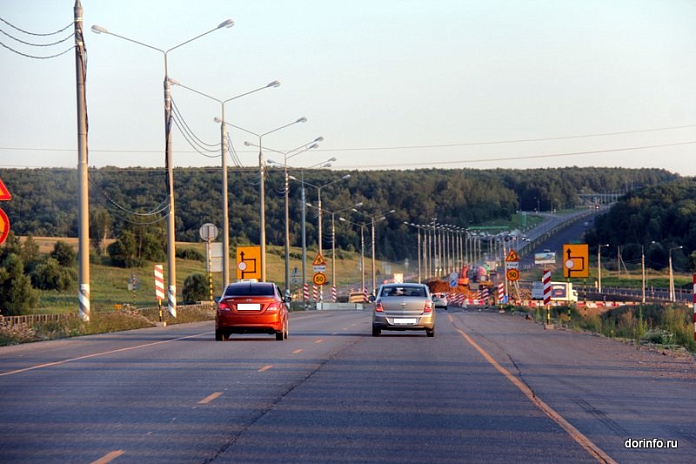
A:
{"points": [[109, 285], [663, 325]]}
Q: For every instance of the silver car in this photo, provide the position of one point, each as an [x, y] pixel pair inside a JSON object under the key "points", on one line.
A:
{"points": [[403, 307]]}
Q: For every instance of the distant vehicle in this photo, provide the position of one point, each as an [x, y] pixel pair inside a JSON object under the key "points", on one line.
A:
{"points": [[560, 291], [440, 300], [403, 307], [252, 307]]}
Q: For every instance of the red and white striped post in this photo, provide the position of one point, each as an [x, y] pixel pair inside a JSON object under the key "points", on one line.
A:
{"points": [[365, 298], [305, 292], [546, 280], [694, 306], [159, 287], [315, 293], [333, 293], [501, 292]]}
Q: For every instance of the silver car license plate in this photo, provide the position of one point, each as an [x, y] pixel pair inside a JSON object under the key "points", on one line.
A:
{"points": [[404, 321]]}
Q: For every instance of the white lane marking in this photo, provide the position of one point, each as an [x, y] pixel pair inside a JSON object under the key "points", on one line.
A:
{"points": [[94, 355], [265, 368]]}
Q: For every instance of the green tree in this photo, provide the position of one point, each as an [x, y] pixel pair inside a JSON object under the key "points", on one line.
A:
{"points": [[123, 252], [52, 275], [63, 254], [16, 294], [100, 226], [196, 288]]}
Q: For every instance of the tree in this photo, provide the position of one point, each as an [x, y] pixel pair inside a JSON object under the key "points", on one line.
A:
{"points": [[63, 254], [52, 275], [123, 251], [101, 225], [196, 288], [16, 294]]}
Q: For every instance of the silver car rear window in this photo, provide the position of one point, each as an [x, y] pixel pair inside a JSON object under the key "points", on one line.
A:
{"points": [[403, 291]]}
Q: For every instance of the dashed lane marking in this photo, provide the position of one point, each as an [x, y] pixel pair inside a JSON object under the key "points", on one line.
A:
{"points": [[210, 398], [109, 457]]}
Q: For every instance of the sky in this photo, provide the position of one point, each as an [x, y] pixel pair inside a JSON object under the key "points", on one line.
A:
{"points": [[388, 84]]}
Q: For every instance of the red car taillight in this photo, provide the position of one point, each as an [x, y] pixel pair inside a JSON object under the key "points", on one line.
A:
{"points": [[428, 307], [273, 307], [223, 306], [378, 306]]}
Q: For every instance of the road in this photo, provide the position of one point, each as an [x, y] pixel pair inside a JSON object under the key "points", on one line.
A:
{"points": [[488, 388]]}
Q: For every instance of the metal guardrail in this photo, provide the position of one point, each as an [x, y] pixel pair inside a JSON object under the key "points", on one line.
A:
{"points": [[31, 319]]}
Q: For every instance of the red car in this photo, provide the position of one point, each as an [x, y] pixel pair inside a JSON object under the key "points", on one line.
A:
{"points": [[252, 307]]}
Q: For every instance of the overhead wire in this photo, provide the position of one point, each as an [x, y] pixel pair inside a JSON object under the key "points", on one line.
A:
{"points": [[33, 44], [194, 141]]}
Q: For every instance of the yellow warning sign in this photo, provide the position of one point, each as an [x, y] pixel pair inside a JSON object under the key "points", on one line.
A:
{"points": [[319, 260], [576, 260], [249, 262], [512, 256]]}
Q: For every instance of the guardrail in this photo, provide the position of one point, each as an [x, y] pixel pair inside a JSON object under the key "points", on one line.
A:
{"points": [[31, 319]]}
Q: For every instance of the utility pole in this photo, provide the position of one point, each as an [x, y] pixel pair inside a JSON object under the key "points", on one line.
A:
{"points": [[82, 173]]}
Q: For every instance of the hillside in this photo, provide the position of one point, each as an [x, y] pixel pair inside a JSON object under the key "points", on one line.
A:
{"points": [[45, 200]]}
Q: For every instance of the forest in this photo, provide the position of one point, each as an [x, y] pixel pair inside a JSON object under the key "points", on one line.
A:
{"points": [[652, 223], [658, 205]]}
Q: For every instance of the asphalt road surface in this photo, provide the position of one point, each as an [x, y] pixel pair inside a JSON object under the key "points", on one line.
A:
{"points": [[488, 388]]}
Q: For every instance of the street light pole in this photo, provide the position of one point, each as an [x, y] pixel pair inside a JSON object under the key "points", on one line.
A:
{"points": [[372, 218], [599, 266], [286, 156], [672, 295], [223, 155], [262, 186], [171, 231], [84, 309]]}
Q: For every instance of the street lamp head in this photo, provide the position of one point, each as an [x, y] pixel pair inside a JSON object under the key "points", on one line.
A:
{"points": [[331, 160], [98, 29], [274, 84], [173, 81], [248, 144], [216, 119], [302, 119], [314, 145], [321, 139], [228, 23], [347, 176], [358, 205]]}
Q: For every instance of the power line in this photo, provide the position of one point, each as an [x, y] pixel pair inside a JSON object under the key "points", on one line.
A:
{"points": [[402, 147], [516, 158], [36, 33]]}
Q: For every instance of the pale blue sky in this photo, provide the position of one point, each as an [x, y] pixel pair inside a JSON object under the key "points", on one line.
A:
{"points": [[387, 83]]}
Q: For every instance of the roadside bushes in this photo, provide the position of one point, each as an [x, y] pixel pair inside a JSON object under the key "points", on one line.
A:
{"points": [[652, 323]]}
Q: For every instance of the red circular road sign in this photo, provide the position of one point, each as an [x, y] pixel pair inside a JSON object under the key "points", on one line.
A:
{"points": [[4, 226], [319, 278], [513, 274]]}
